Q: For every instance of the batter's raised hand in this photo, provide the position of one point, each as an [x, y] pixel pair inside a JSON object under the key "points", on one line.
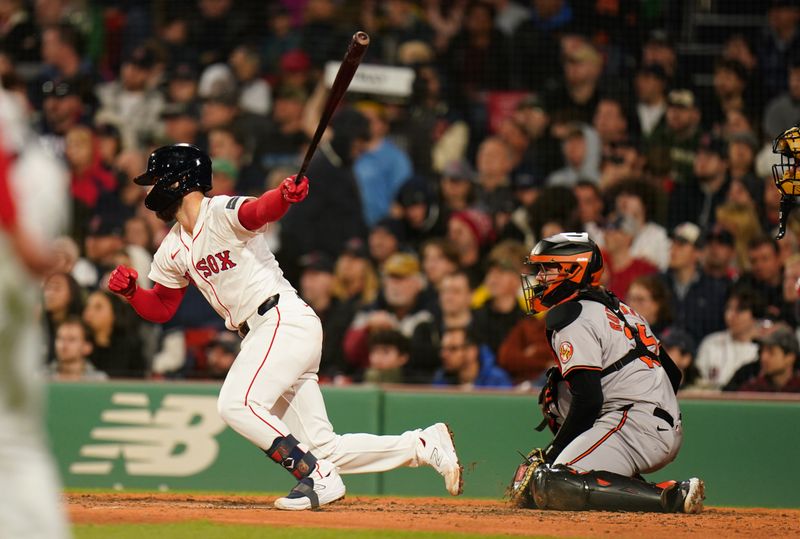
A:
{"points": [[292, 192], [123, 281]]}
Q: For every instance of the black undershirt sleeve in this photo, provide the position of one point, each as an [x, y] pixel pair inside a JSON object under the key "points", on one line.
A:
{"points": [[587, 401]]}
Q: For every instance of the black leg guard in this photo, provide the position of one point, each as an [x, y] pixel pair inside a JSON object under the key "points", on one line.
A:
{"points": [[285, 451], [562, 488]]}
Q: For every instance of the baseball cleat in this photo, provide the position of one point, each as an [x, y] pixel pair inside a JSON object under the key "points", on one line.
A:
{"points": [[436, 448], [694, 492], [322, 487]]}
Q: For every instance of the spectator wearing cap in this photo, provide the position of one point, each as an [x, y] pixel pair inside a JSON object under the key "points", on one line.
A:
{"points": [[389, 351], [295, 71], [659, 49], [501, 308], [729, 86], [719, 256], [386, 238], [182, 83], [332, 212], [543, 150], [466, 363], [576, 98], [722, 353], [398, 307], [680, 346], [651, 99], [698, 199], [673, 151], [471, 232], [698, 300], [636, 200], [777, 355], [778, 43], [621, 161], [317, 289], [580, 147], [181, 122], [383, 168], [766, 276], [284, 135], [63, 107], [420, 214], [255, 93], [130, 102], [621, 266], [220, 353], [457, 186], [784, 110]]}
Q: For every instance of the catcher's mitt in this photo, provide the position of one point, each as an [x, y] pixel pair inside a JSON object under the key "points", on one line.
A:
{"points": [[519, 492]]}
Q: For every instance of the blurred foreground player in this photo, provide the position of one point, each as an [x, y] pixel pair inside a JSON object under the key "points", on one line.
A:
{"points": [[33, 211]]}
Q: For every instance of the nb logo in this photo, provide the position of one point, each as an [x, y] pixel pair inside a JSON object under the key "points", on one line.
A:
{"points": [[178, 439], [436, 457]]}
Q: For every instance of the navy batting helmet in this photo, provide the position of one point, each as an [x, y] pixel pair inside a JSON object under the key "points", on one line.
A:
{"points": [[174, 171]]}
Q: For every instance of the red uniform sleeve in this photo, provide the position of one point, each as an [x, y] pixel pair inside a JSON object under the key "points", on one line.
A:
{"points": [[269, 207], [159, 304]]}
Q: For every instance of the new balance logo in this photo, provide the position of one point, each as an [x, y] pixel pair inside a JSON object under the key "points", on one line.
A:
{"points": [[436, 457], [178, 439]]}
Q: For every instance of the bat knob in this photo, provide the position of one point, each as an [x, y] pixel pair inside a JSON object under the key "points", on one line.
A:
{"points": [[361, 38]]}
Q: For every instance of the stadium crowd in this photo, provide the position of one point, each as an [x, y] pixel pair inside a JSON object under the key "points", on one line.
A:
{"points": [[525, 119]]}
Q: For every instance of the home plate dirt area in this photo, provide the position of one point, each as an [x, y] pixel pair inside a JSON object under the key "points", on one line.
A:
{"points": [[431, 514]]}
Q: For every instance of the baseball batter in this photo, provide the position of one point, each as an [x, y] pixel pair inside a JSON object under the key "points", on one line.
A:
{"points": [[270, 395], [30, 217], [611, 402]]}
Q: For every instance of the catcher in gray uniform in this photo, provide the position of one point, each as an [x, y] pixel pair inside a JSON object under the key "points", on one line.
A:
{"points": [[610, 401]]}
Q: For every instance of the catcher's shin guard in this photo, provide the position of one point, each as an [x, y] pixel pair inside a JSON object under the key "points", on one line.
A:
{"points": [[285, 451], [562, 488]]}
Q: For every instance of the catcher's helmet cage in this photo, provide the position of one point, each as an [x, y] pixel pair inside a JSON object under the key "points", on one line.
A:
{"points": [[174, 171], [579, 264], [786, 173]]}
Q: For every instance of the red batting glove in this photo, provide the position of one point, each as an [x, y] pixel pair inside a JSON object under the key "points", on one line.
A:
{"points": [[292, 192], [123, 281]]}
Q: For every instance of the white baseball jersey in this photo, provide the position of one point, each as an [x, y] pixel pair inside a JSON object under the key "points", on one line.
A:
{"points": [[30, 503], [596, 340], [231, 266]]}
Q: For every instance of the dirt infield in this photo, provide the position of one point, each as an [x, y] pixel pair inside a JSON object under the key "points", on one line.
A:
{"points": [[431, 514]]}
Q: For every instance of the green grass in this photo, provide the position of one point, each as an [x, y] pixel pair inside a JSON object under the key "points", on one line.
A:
{"points": [[209, 530]]}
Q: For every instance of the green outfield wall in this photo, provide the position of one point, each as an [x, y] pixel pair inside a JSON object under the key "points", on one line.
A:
{"points": [[168, 436]]}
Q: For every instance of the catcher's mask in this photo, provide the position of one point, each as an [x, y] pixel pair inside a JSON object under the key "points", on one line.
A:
{"points": [[786, 173], [174, 171], [562, 265]]}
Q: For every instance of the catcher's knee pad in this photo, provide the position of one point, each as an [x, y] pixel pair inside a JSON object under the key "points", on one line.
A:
{"points": [[562, 488]]}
